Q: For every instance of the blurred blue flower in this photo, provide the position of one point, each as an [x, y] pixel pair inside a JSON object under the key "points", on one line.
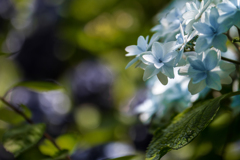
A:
{"points": [[211, 34], [231, 9], [194, 12], [162, 100], [169, 25], [160, 61], [207, 70]]}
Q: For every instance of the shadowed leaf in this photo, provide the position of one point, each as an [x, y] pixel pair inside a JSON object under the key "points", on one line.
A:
{"points": [[184, 127]]}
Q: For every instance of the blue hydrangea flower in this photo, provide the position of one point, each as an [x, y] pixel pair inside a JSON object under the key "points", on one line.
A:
{"points": [[211, 34], [194, 12], [207, 70], [169, 25], [231, 9], [160, 61], [142, 46], [181, 42], [162, 100]]}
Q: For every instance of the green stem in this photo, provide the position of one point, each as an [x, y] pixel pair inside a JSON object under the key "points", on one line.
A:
{"points": [[46, 135], [235, 44]]}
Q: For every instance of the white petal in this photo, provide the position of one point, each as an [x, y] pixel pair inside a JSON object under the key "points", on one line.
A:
{"points": [[142, 43], [157, 50], [149, 58], [158, 65]]}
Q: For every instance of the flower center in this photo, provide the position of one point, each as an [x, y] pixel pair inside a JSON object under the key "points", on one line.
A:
{"points": [[160, 61]]}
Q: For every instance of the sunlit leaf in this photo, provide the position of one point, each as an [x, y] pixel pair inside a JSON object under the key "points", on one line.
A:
{"points": [[184, 127], [19, 139], [39, 86], [65, 142], [124, 158]]}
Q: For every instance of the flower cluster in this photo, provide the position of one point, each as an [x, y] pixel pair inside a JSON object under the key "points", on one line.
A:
{"points": [[161, 99], [192, 39]]}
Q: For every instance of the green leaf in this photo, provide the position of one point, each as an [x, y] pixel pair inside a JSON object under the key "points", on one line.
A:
{"points": [[124, 158], [9, 116], [39, 86], [184, 127], [65, 142], [19, 139]]}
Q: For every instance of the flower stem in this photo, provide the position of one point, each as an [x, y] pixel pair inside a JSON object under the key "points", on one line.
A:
{"points": [[230, 60], [235, 44], [46, 135]]}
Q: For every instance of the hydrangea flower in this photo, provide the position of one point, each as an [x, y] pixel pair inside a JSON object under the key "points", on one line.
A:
{"points": [[181, 42], [137, 50], [160, 61], [231, 9], [207, 70], [169, 25], [162, 100], [212, 34], [194, 12]]}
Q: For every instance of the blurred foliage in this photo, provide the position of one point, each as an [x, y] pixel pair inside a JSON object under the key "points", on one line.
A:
{"points": [[18, 140], [46, 44]]}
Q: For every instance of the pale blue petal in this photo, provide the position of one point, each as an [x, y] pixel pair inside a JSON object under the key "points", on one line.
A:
{"points": [[179, 56], [162, 78], [227, 67], [157, 50], [149, 58], [190, 14], [189, 27], [133, 50], [142, 43], [214, 17], [157, 28], [149, 72], [211, 60], [227, 7], [201, 45], [190, 6], [213, 81], [225, 25], [193, 72], [196, 88], [183, 71], [154, 38], [196, 64], [169, 47], [236, 2], [141, 65], [132, 62], [168, 71], [199, 77], [158, 65], [168, 57], [237, 19], [219, 42], [203, 28]]}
